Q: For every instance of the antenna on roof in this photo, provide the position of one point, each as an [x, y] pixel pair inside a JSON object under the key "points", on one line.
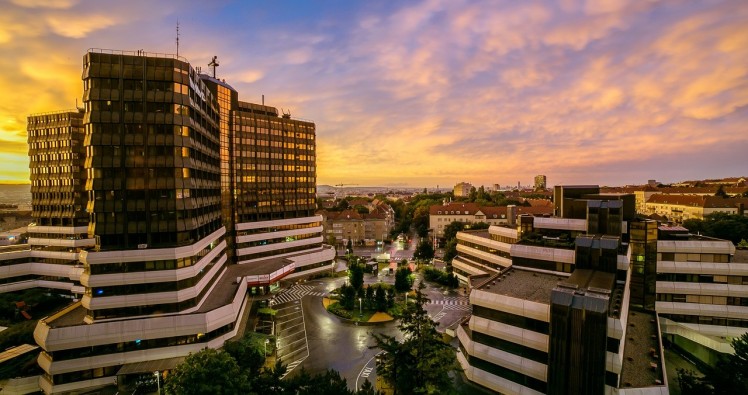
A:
{"points": [[177, 37], [214, 63]]}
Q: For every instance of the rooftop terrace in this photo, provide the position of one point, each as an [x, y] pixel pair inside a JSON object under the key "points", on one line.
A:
{"points": [[642, 362], [524, 284]]}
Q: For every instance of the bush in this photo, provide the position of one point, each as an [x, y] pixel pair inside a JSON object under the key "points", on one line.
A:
{"points": [[440, 277], [338, 310]]}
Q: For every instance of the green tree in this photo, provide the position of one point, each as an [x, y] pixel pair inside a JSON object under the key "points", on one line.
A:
{"points": [[328, 382], [347, 296], [380, 298], [743, 243], [421, 362], [356, 274], [731, 374], [369, 297], [424, 251], [420, 221], [390, 297], [690, 384], [367, 388], [450, 231], [248, 352], [733, 227], [402, 279], [450, 251], [208, 371]]}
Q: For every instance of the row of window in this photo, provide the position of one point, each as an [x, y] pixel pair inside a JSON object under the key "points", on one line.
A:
{"points": [[156, 309], [483, 248], [138, 345], [272, 253], [705, 320], [279, 228], [167, 264], [277, 240], [503, 239], [509, 374], [702, 278], [147, 288], [511, 319], [703, 299], [684, 257]]}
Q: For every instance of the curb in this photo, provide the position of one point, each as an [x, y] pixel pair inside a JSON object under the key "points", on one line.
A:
{"points": [[359, 323]]}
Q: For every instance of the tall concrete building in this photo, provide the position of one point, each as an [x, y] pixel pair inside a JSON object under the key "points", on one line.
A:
{"points": [[540, 183], [462, 189], [59, 198], [163, 204]]}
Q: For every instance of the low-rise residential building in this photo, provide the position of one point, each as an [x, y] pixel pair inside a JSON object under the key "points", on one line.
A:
{"points": [[362, 229], [440, 216], [678, 208]]}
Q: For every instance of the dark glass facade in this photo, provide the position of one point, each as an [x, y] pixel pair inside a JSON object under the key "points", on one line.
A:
{"points": [[578, 333], [152, 148], [643, 244], [275, 173]]}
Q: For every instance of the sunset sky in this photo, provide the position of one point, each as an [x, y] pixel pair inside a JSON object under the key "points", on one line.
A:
{"points": [[426, 93]]}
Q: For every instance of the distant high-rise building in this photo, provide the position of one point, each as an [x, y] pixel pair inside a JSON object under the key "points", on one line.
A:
{"points": [[164, 204], [58, 199], [540, 182], [462, 189]]}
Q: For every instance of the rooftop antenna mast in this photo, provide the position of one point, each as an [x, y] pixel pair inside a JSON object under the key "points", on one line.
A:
{"points": [[214, 63], [177, 37]]}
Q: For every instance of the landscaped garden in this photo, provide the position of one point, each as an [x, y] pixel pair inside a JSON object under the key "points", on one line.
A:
{"points": [[369, 303]]}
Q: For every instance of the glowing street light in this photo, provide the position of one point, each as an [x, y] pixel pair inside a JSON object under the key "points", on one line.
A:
{"points": [[158, 381], [360, 308], [266, 347]]}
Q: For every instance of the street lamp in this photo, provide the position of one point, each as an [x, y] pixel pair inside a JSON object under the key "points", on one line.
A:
{"points": [[266, 347], [158, 381], [360, 308]]}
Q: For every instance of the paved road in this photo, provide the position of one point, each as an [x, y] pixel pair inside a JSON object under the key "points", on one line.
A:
{"points": [[316, 340], [332, 344]]}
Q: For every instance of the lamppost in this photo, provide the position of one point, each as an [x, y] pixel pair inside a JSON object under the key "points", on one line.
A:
{"points": [[266, 347], [158, 381], [360, 308]]}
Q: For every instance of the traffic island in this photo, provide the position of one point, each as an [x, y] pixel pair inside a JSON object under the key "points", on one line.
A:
{"points": [[359, 317]]}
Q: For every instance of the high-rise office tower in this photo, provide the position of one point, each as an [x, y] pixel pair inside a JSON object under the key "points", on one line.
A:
{"points": [[540, 183], [187, 200]]}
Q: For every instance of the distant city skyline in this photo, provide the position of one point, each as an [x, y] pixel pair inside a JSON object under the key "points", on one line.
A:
{"points": [[429, 93]]}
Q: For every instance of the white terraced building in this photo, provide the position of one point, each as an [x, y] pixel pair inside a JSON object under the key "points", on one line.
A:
{"points": [[698, 303], [702, 293]]}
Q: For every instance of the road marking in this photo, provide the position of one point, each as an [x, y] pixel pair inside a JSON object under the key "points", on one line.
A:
{"points": [[366, 373], [363, 368], [291, 366]]}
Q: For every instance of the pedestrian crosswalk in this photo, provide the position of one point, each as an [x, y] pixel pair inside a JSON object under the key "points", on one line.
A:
{"points": [[294, 293], [458, 307], [452, 301]]}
